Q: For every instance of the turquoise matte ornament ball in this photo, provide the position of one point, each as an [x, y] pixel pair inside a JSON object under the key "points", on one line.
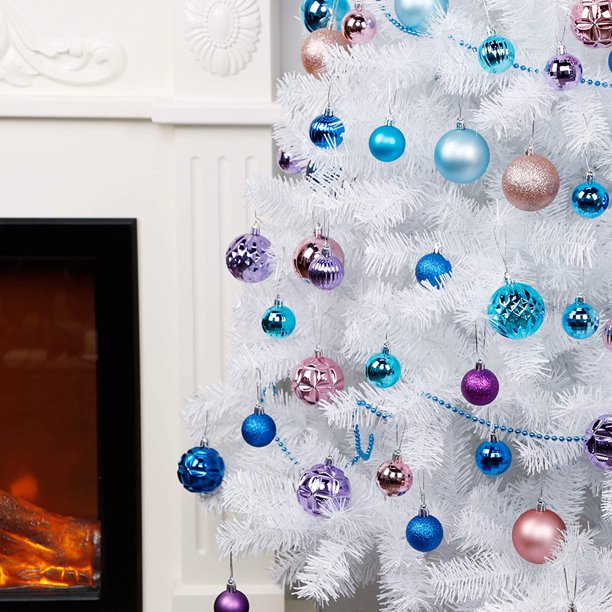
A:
{"points": [[493, 457], [496, 54], [416, 14], [278, 321], [382, 369], [258, 429], [516, 310], [433, 270], [462, 155], [387, 143], [424, 532], [317, 13], [590, 199], [326, 131], [580, 320]]}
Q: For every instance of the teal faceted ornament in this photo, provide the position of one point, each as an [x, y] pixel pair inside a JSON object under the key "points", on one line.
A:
{"points": [[387, 143], [516, 310], [590, 199], [382, 369], [417, 14], [316, 14], [278, 321], [496, 53], [326, 130], [580, 320]]}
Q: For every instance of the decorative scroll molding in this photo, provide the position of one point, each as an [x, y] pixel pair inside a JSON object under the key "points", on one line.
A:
{"points": [[26, 54], [222, 34]]}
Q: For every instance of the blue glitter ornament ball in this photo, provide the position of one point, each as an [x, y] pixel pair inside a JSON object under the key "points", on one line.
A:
{"points": [[278, 321], [496, 54], [433, 270], [424, 532], [382, 369], [493, 457], [516, 310], [317, 13], [416, 14], [326, 131], [590, 199], [387, 143], [201, 469], [580, 320], [259, 428], [462, 155]]}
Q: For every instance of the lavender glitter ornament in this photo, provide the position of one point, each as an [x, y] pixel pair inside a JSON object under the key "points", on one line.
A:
{"points": [[563, 71], [323, 489], [247, 257], [480, 386], [326, 272], [606, 335], [598, 442], [288, 164]]}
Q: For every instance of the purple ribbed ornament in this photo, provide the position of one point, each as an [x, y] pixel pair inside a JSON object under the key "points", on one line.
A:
{"points": [[563, 71], [287, 164], [598, 442], [247, 257], [323, 489], [326, 272], [480, 386], [606, 335]]}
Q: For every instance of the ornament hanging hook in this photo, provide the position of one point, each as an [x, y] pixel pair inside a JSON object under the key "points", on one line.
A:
{"points": [[488, 16], [503, 253], [571, 598], [259, 387], [422, 489]]}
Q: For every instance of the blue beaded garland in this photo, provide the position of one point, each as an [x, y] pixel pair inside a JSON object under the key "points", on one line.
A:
{"points": [[433, 270], [580, 320], [317, 13], [590, 199], [201, 469], [326, 131], [424, 532], [387, 143], [278, 321], [493, 457], [462, 155], [516, 310], [383, 370], [258, 429], [496, 54]]}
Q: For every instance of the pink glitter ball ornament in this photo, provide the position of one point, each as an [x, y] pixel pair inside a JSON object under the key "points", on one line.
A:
{"points": [[316, 379]]}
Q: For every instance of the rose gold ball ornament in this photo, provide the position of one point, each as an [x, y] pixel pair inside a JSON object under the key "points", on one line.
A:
{"points": [[315, 47], [310, 249], [316, 379], [359, 25], [592, 22], [537, 533], [530, 182], [394, 478]]}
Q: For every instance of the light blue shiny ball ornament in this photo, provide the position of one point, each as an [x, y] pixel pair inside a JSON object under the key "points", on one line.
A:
{"points": [[424, 532], [326, 131], [382, 369], [496, 54], [416, 14], [462, 155], [433, 270], [387, 143], [259, 428], [516, 310], [580, 320], [493, 457], [278, 321], [590, 199], [317, 13]]}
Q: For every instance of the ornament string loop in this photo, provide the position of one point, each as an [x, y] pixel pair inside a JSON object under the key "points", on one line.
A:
{"points": [[571, 597]]}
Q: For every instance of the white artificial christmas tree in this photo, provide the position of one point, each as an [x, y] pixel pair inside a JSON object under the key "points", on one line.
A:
{"points": [[386, 216]]}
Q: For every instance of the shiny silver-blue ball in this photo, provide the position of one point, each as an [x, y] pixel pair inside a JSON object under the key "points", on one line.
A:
{"points": [[278, 321], [424, 533], [387, 143], [317, 13], [258, 429], [516, 311], [590, 199], [417, 14], [201, 470], [383, 370], [580, 320], [433, 270], [496, 54], [326, 131], [462, 156], [493, 457]]}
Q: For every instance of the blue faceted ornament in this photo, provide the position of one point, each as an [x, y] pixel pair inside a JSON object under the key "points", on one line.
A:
{"points": [[417, 14], [424, 532], [462, 155], [516, 310], [317, 13], [387, 143], [580, 320], [382, 369], [590, 199], [610, 61], [496, 54], [326, 131], [493, 457], [201, 469], [278, 321], [259, 428], [433, 270]]}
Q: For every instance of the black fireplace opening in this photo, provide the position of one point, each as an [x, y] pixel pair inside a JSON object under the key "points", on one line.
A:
{"points": [[70, 507]]}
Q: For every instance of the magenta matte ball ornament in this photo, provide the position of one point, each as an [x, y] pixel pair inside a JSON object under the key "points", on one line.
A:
{"points": [[323, 489], [231, 600], [480, 386]]}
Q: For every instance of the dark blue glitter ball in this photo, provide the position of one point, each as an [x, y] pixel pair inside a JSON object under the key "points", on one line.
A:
{"points": [[201, 470], [424, 533], [258, 429], [433, 270]]}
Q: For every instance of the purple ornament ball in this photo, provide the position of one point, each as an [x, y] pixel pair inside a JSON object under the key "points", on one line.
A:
{"points": [[606, 335], [563, 71], [327, 271], [231, 601], [598, 442], [323, 489], [480, 386], [248, 257], [288, 164]]}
